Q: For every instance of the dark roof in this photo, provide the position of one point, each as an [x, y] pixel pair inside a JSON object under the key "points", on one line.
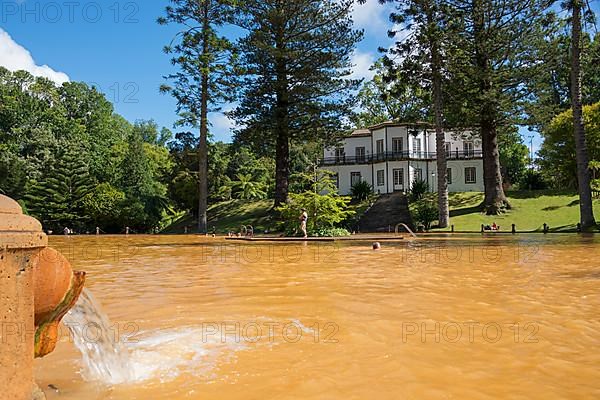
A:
{"points": [[398, 123], [361, 132]]}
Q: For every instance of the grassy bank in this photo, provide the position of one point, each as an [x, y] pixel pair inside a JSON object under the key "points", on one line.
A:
{"points": [[233, 214], [530, 210], [230, 216]]}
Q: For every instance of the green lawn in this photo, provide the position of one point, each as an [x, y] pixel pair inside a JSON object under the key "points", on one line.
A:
{"points": [[530, 210], [230, 216]]}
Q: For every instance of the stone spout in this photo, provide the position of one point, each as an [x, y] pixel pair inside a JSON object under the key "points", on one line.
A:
{"points": [[56, 288], [37, 287]]}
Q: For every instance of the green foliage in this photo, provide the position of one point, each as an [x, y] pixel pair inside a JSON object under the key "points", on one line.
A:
{"points": [[532, 180], [379, 101], [549, 88], [294, 85], [57, 200], [104, 205], [246, 188], [58, 142], [557, 154], [424, 212], [324, 211], [418, 190], [514, 154], [204, 59], [361, 190], [331, 232], [13, 174]]}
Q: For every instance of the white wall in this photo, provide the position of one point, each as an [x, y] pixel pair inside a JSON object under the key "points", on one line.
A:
{"points": [[344, 173], [350, 144], [458, 176]]}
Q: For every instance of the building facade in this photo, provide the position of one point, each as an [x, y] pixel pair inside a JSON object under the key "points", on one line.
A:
{"points": [[391, 156]]}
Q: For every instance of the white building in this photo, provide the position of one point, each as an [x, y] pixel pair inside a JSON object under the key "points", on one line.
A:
{"points": [[390, 156]]}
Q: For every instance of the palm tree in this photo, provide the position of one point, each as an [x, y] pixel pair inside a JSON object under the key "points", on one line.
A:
{"points": [[583, 174], [247, 188]]}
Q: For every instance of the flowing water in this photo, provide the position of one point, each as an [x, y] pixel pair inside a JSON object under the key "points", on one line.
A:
{"points": [[104, 357], [437, 318]]}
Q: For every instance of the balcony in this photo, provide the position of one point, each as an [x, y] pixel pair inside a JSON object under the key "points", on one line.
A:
{"points": [[398, 156]]}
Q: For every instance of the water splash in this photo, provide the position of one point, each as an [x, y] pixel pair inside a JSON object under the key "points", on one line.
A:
{"points": [[160, 354], [104, 357]]}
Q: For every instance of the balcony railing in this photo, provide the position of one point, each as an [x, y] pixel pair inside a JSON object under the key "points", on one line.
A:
{"points": [[398, 156]]}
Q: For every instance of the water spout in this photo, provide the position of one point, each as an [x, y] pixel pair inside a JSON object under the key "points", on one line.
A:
{"points": [[56, 289]]}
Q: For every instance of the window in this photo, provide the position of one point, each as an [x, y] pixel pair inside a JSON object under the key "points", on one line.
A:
{"points": [[468, 149], [340, 154], [470, 175], [397, 145], [449, 176], [417, 147], [418, 174], [379, 145], [360, 154], [380, 177], [355, 177]]}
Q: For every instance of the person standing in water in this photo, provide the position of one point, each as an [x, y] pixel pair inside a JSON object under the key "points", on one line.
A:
{"points": [[303, 219]]}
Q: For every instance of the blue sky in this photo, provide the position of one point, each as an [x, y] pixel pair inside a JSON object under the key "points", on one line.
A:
{"points": [[117, 46]]}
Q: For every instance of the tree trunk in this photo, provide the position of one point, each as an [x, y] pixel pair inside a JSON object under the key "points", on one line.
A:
{"points": [[282, 150], [583, 173], [495, 200], [203, 142], [440, 137]]}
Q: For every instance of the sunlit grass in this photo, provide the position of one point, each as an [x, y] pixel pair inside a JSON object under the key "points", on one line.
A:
{"points": [[530, 210]]}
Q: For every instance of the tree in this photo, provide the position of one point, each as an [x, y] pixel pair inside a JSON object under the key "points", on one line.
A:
{"points": [[57, 199], [54, 139], [324, 206], [581, 154], [549, 87], [294, 86], [489, 66], [558, 159], [514, 154], [246, 188], [386, 99], [422, 50], [103, 206], [203, 58]]}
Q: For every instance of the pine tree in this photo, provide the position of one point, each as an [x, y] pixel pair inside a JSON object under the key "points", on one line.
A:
{"points": [[297, 58], [203, 58], [57, 198], [422, 62], [583, 173], [488, 70]]}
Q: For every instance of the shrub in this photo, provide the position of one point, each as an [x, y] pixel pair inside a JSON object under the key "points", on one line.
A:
{"points": [[324, 211], [533, 180], [424, 213], [418, 190], [331, 232], [361, 190]]}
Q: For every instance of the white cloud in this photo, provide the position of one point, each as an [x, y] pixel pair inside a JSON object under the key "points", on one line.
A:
{"points": [[15, 57], [370, 14], [362, 63], [221, 125]]}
